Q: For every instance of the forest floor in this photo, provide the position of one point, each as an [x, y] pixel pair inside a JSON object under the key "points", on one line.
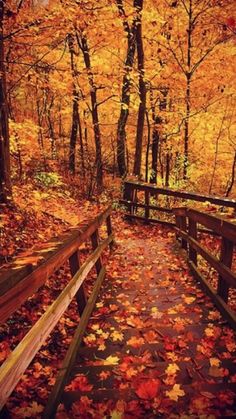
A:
{"points": [[155, 345]]}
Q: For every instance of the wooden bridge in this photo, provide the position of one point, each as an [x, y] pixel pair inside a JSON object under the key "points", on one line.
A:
{"points": [[154, 344]]}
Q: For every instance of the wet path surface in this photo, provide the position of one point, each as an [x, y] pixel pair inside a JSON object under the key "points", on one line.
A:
{"points": [[155, 345]]}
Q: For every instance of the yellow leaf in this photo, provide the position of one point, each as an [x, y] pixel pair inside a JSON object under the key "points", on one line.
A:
{"points": [[189, 300], [172, 369], [111, 360], [171, 311], [116, 415], [175, 393], [99, 332], [102, 347], [154, 309], [117, 336]]}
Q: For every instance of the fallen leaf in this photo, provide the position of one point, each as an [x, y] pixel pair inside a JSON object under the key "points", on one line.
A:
{"points": [[111, 360], [117, 336], [172, 369], [135, 342], [148, 389], [79, 383], [215, 362], [175, 392]]}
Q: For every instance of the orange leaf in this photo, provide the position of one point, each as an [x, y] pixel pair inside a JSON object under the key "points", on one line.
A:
{"points": [[148, 389], [135, 342]]}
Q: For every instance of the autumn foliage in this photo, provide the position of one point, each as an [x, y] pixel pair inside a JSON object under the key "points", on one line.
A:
{"points": [[91, 92], [88, 93]]}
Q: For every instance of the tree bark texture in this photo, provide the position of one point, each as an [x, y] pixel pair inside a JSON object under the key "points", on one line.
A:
{"points": [[142, 95], [126, 84], [83, 44], [75, 108], [188, 90], [5, 181], [155, 139]]}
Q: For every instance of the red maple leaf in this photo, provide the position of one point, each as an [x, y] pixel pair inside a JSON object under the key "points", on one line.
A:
{"points": [[80, 383], [148, 389], [231, 22]]}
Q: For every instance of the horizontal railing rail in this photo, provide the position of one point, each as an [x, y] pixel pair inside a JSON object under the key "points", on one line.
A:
{"points": [[22, 278], [63, 249], [132, 203], [187, 222]]}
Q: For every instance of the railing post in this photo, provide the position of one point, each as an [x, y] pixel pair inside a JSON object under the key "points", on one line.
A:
{"points": [[181, 223], [192, 231], [133, 198], [147, 203], [95, 243], [130, 196], [126, 194], [109, 230], [81, 299], [226, 257], [177, 223], [183, 227]]}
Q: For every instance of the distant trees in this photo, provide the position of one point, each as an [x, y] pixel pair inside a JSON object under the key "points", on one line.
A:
{"points": [[194, 30], [82, 77]]}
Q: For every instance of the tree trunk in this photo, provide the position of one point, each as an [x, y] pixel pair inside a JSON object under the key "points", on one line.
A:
{"points": [[125, 94], [186, 127], [74, 131], [167, 178], [75, 108], [155, 149], [148, 147], [188, 90], [155, 140], [81, 145], [232, 180], [83, 44], [5, 180], [142, 95]]}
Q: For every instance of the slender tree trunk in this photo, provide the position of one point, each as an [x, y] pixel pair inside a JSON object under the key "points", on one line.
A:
{"points": [[81, 145], [232, 180], [155, 149], [188, 91], [5, 180], [125, 94], [74, 131], [148, 147], [155, 140], [186, 127], [142, 95], [167, 178], [75, 108], [83, 44]]}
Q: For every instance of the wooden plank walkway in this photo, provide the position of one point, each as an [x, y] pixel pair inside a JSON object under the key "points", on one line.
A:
{"points": [[155, 345]]}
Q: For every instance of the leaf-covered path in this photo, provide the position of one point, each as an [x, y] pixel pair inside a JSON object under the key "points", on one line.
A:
{"points": [[155, 345]]}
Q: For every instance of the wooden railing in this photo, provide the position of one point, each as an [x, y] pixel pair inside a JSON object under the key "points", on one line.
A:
{"points": [[18, 282], [148, 191], [187, 222]]}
